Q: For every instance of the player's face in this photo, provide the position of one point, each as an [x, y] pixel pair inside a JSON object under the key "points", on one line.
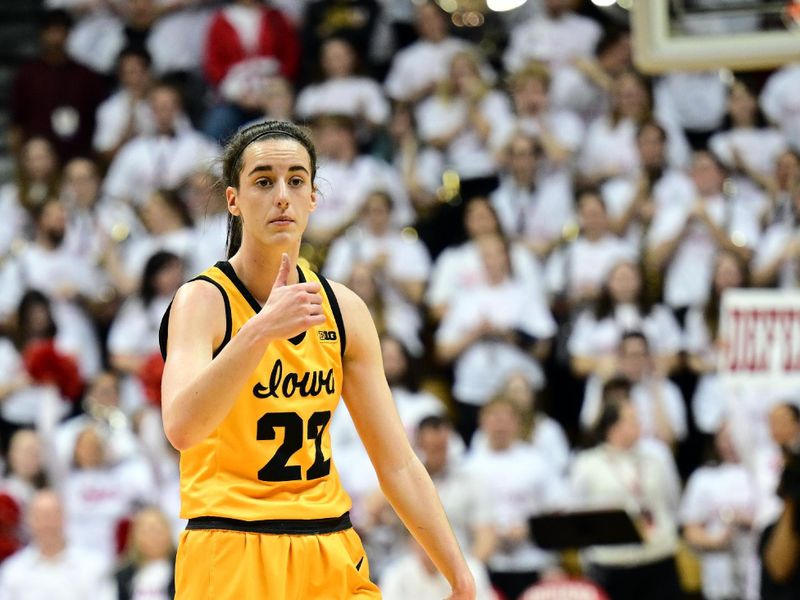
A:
{"points": [[275, 195]]}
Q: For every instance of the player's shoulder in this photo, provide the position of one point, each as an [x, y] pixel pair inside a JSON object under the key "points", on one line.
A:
{"points": [[198, 295]]}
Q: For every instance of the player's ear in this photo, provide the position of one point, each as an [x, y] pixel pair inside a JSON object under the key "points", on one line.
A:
{"points": [[314, 193], [232, 199]]}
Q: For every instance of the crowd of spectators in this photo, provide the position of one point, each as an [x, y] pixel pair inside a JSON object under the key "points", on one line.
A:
{"points": [[541, 233]]}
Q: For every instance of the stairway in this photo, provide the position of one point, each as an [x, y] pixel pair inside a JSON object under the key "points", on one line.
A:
{"points": [[18, 42]]}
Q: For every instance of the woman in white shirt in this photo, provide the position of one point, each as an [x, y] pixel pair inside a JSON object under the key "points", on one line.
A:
{"points": [[461, 118], [133, 337], [745, 142], [149, 568], [718, 511], [623, 306]]}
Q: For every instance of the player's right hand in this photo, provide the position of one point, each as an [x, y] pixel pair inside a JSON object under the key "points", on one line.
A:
{"points": [[290, 309]]}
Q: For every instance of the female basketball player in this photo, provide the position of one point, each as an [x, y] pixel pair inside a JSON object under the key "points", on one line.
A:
{"points": [[258, 352]]}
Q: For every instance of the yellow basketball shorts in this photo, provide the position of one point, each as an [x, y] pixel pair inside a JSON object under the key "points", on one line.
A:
{"points": [[221, 564]]}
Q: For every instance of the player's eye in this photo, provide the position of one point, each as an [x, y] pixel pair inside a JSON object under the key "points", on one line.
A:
{"points": [[296, 181], [263, 182]]}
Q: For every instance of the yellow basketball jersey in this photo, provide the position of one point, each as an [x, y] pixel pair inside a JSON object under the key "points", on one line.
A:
{"points": [[270, 458]]}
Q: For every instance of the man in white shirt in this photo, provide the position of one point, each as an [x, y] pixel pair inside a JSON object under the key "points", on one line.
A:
{"points": [[126, 113], [162, 159], [658, 402], [49, 568], [685, 237], [520, 484], [532, 207], [417, 69], [556, 37]]}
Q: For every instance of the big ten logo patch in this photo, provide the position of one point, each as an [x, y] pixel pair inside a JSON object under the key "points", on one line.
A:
{"points": [[326, 335]]}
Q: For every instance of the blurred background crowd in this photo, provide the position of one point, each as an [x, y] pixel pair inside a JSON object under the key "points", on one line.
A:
{"points": [[542, 234]]}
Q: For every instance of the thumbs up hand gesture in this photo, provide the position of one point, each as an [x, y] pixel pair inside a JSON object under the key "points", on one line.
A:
{"points": [[290, 309]]}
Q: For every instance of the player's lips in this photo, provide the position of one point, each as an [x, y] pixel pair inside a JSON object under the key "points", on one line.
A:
{"points": [[282, 220]]}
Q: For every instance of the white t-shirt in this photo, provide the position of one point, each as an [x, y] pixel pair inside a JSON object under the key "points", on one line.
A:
{"points": [[554, 41], [344, 187], [780, 101], [688, 275], [16, 224], [74, 574], [460, 268], [419, 65], [547, 437], [152, 581], [540, 214], [483, 367], [147, 163], [584, 264], [467, 153], [758, 148], [562, 124], [353, 96], [113, 116], [772, 245], [698, 101], [593, 337], [520, 484], [644, 395], [711, 493]]}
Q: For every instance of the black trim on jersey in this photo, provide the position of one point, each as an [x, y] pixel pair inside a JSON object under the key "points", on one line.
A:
{"points": [[163, 328], [274, 526], [227, 268], [337, 313]]}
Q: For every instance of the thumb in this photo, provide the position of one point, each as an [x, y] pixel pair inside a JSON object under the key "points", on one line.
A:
{"points": [[283, 272]]}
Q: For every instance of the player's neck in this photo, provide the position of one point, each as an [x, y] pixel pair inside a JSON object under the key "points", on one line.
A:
{"points": [[257, 268]]}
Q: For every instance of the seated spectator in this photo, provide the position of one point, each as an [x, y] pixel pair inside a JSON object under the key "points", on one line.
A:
{"points": [[400, 320], [126, 113], [780, 104], [414, 405], [521, 484], [36, 181], [781, 184], [149, 567], [342, 90], [246, 43], [659, 405], [420, 165], [542, 432], [133, 337], [346, 178], [98, 494], [618, 472], [577, 270], [419, 68], [358, 21], [533, 206], [584, 85], [498, 328], [691, 101], [746, 144], [169, 227], [465, 498], [609, 148], [402, 263], [54, 97], [460, 268], [460, 120], [555, 37], [622, 307], [163, 158], [72, 284], [633, 199], [413, 575], [685, 237], [718, 513], [51, 566], [557, 131]]}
